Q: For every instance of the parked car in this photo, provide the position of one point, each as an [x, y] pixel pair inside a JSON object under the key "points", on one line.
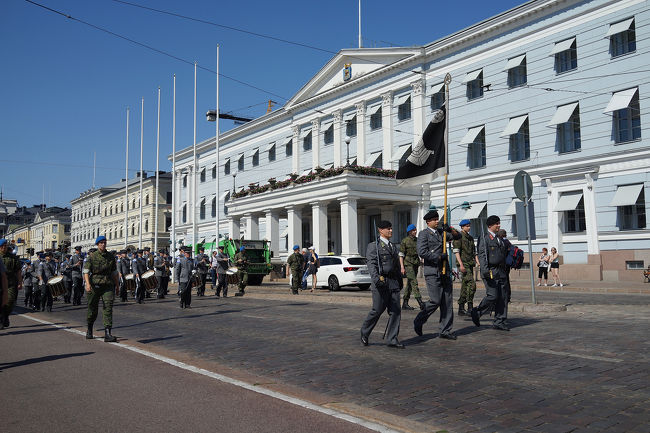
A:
{"points": [[341, 271]]}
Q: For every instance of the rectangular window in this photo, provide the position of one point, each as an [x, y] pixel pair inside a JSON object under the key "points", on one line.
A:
{"points": [[404, 110], [575, 219], [520, 144], [634, 264], [328, 135], [517, 75], [475, 85], [566, 121], [632, 217], [169, 197], [627, 122], [351, 127], [306, 142], [476, 151], [240, 163], [256, 159], [566, 55], [183, 217], [272, 154], [622, 38], [184, 186], [288, 148], [214, 207], [202, 175], [437, 97], [214, 172], [226, 167], [375, 119]]}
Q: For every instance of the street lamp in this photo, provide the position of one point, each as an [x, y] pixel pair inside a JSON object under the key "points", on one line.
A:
{"points": [[347, 146]]}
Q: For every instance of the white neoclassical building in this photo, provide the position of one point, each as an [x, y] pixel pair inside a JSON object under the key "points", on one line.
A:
{"points": [[554, 87]]}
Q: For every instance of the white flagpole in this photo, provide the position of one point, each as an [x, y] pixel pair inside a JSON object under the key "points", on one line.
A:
{"points": [[216, 144], [360, 41], [94, 165], [155, 230], [126, 185], [174, 198], [194, 174], [141, 147]]}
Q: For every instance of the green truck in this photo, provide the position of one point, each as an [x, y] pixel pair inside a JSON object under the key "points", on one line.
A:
{"points": [[258, 253]]}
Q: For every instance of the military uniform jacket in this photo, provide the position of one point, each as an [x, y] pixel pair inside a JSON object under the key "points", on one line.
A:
{"points": [[123, 266], [201, 264], [296, 262], [492, 253], [101, 267], [47, 270], [35, 270], [28, 276], [183, 269], [222, 261], [430, 249], [149, 259], [159, 266], [12, 266], [76, 263], [465, 246], [408, 249], [66, 271], [388, 257], [241, 261], [137, 266]]}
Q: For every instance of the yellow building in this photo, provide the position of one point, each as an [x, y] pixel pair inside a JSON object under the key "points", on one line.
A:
{"points": [[19, 236], [50, 231]]}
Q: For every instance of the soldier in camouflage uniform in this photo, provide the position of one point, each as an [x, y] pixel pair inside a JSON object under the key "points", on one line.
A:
{"points": [[295, 264], [14, 279], [241, 261], [410, 263], [466, 258], [100, 275]]}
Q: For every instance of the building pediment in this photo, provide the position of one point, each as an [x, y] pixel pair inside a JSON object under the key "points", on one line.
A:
{"points": [[349, 66]]}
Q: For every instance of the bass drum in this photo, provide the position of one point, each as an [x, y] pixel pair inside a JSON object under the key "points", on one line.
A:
{"points": [[231, 275], [56, 286], [129, 282], [149, 280]]}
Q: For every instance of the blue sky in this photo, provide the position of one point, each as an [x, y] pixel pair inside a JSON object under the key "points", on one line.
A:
{"points": [[66, 86]]}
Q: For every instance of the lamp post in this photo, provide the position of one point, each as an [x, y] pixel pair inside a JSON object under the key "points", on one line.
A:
{"points": [[347, 147], [464, 205]]}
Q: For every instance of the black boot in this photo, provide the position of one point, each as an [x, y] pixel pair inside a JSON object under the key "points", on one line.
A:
{"points": [[406, 306], [420, 303], [461, 310], [108, 338], [89, 332], [469, 308]]}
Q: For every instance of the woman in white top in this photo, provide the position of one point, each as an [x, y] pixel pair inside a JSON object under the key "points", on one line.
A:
{"points": [[555, 268], [543, 264]]}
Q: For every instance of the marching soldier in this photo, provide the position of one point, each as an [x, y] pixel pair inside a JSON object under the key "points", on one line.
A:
{"points": [[138, 267], [241, 261], [36, 298], [166, 271], [183, 269], [66, 272], [201, 265], [386, 283], [465, 252], [222, 267], [28, 283], [492, 254], [100, 276], [123, 269], [410, 263], [46, 271], [148, 258], [14, 280], [160, 269], [430, 244], [295, 265], [76, 264]]}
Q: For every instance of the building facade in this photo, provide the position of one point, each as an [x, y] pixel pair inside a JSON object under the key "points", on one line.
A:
{"points": [[50, 231], [20, 238], [553, 87], [86, 217]]}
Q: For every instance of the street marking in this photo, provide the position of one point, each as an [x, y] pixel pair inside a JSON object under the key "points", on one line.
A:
{"points": [[575, 355], [260, 390]]}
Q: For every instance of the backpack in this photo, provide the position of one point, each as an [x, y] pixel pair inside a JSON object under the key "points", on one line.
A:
{"points": [[515, 257]]}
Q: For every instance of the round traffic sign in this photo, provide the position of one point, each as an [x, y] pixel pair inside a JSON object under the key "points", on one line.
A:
{"points": [[523, 185]]}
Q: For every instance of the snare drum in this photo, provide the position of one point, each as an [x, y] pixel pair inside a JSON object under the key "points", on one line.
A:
{"points": [[195, 280], [129, 282], [56, 286], [231, 275], [148, 279]]}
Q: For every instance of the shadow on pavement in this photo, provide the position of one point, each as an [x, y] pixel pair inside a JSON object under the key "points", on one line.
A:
{"points": [[7, 365], [151, 340]]}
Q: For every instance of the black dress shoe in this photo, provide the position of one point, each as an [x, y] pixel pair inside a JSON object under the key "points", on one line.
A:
{"points": [[448, 336], [417, 325], [501, 327], [396, 345], [475, 317], [364, 340]]}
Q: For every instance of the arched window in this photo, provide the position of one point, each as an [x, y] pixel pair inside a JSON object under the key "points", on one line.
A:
{"points": [[121, 233]]}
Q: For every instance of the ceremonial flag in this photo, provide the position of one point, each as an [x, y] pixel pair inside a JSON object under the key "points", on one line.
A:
{"points": [[428, 158]]}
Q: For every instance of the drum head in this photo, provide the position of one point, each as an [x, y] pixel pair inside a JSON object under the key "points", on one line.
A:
{"points": [[148, 274], [232, 271], [55, 280], [129, 276]]}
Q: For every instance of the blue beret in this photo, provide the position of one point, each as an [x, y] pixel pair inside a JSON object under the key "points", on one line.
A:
{"points": [[3, 242], [410, 227], [100, 239], [242, 248], [296, 247], [464, 222]]}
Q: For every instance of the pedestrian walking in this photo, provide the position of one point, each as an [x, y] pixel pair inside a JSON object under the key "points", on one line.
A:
{"points": [[465, 252], [555, 268], [410, 264], [313, 264], [102, 282], [386, 284], [295, 265]]}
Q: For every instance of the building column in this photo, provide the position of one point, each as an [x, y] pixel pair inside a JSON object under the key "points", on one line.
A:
{"points": [[319, 226], [591, 222], [423, 207], [294, 226], [273, 230], [387, 129], [349, 223], [315, 143], [418, 104], [177, 198], [361, 132], [233, 228], [338, 136], [554, 234], [252, 229], [295, 152]]}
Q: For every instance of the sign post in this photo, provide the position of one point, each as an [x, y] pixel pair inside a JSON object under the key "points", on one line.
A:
{"points": [[523, 185]]}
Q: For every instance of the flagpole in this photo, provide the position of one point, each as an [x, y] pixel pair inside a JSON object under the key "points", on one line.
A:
{"points": [[444, 218], [194, 174], [174, 198], [141, 147], [216, 167], [155, 230], [126, 185]]}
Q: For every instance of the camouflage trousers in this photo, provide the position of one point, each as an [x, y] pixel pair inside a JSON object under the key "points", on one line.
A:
{"points": [[11, 301], [468, 286], [243, 279], [296, 279], [105, 292], [411, 283]]}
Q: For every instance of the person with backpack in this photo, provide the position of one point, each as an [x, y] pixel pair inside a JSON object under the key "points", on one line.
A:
{"points": [[511, 261]]}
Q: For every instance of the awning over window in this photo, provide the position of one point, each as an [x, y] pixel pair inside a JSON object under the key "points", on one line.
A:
{"points": [[619, 27], [202, 241], [224, 196], [401, 99], [471, 76], [627, 195], [563, 114], [568, 201], [254, 151], [226, 161], [514, 125], [241, 156], [621, 100], [372, 159], [328, 166], [475, 210], [349, 116], [471, 135], [373, 109], [305, 132], [306, 172], [512, 207], [563, 46], [399, 153], [437, 87], [324, 126], [269, 147], [514, 62]]}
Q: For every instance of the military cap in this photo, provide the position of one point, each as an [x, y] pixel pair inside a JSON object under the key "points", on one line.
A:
{"points": [[296, 247], [432, 215], [464, 222], [122, 251], [492, 220], [221, 247], [161, 251], [100, 239], [41, 256], [384, 224], [77, 248], [242, 248], [146, 249], [410, 227], [3, 242], [138, 251]]}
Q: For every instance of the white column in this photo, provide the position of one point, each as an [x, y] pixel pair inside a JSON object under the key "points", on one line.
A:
{"points": [[319, 226], [361, 132], [252, 229], [387, 128], [315, 143], [178, 202], [294, 226], [233, 227], [273, 230], [295, 144], [423, 206], [418, 104], [553, 227], [349, 235], [339, 134], [591, 222]]}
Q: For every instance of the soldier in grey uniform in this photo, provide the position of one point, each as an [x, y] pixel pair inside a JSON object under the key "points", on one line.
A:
{"points": [[76, 264], [66, 272], [46, 271], [28, 282], [222, 267], [492, 253], [36, 298], [183, 269], [439, 286], [386, 284], [138, 267], [123, 269], [159, 266]]}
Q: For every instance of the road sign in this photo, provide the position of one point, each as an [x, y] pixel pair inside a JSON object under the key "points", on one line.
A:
{"points": [[523, 185]]}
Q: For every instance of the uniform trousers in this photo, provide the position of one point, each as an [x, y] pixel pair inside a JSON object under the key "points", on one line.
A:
{"points": [[67, 283], [36, 298], [467, 286], [296, 280], [496, 296], [12, 294], [165, 284], [139, 290], [243, 279], [440, 292], [123, 293], [380, 303], [77, 290], [106, 293], [411, 282], [46, 297], [200, 291], [185, 288], [222, 284], [29, 294]]}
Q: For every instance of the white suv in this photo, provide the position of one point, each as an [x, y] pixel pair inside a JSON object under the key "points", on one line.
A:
{"points": [[338, 271]]}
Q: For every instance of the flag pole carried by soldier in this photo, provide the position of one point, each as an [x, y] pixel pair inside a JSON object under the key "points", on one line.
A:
{"points": [[102, 282]]}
